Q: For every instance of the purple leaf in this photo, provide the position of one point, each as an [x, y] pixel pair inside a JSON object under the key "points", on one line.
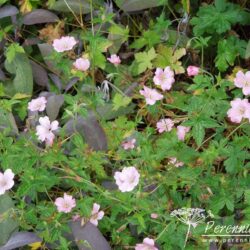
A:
{"points": [[88, 237], [71, 83], [56, 80], [8, 10], [39, 16], [20, 239], [40, 75], [90, 129], [46, 49], [53, 106], [31, 41], [2, 76], [137, 5]]}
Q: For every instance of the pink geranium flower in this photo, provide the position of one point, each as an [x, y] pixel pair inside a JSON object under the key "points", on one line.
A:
{"points": [[65, 43], [151, 95], [154, 216], [82, 64], [44, 130], [96, 214], [243, 81], [127, 179], [130, 144], [65, 204], [164, 125], [181, 132], [6, 181], [239, 110], [114, 59], [193, 70], [148, 244], [38, 104], [175, 162], [164, 78]]}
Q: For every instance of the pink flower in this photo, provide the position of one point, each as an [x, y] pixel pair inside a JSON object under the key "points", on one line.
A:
{"points": [[148, 244], [82, 64], [129, 144], [239, 110], [44, 130], [193, 70], [164, 78], [96, 214], [65, 204], [6, 181], [114, 59], [181, 132], [151, 95], [127, 179], [175, 162], [164, 125], [154, 216], [76, 217], [243, 81], [38, 104], [65, 43]]}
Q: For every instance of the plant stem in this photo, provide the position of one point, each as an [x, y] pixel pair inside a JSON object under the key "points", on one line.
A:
{"points": [[188, 231]]}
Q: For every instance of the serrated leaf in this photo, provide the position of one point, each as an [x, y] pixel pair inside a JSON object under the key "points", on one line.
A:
{"points": [[143, 60], [198, 133], [227, 52], [216, 18], [166, 56], [120, 101]]}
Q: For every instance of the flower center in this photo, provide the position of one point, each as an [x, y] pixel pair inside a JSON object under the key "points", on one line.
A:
{"points": [[163, 77], [3, 183], [242, 111], [131, 179], [66, 205]]}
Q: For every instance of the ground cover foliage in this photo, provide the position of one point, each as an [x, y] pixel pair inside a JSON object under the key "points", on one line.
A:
{"points": [[117, 116]]}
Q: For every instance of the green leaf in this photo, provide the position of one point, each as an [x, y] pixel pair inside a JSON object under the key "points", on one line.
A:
{"points": [[120, 101], [12, 50], [143, 60], [166, 56], [247, 54], [7, 224], [20, 66], [247, 196], [229, 204], [186, 5], [217, 18], [198, 133], [227, 52], [7, 121], [118, 34]]}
